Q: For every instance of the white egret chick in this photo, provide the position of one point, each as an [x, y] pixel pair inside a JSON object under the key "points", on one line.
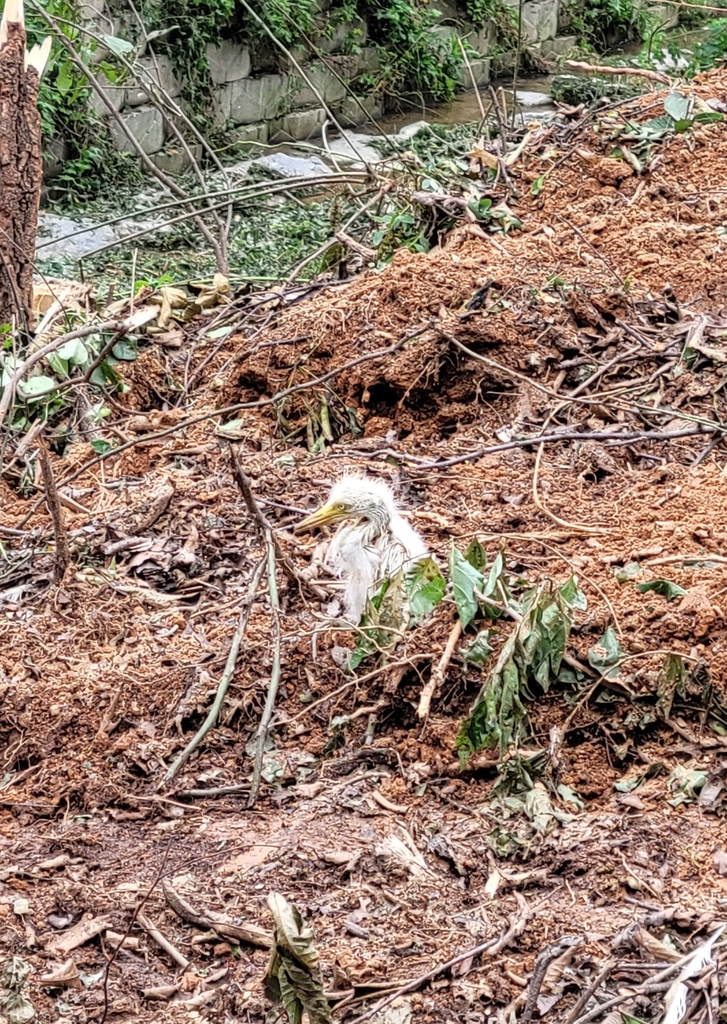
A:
{"points": [[373, 543]]}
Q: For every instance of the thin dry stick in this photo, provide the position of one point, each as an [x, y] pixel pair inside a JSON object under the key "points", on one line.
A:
{"points": [[540, 439], [226, 679], [605, 69], [594, 250], [274, 674], [579, 572], [480, 104], [573, 527], [135, 913], [492, 947], [332, 241], [62, 555], [591, 990], [162, 941], [311, 85], [261, 403], [263, 525], [544, 960], [437, 677], [407, 663]]}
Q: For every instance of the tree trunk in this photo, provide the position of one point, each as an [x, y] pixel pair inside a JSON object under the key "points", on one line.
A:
{"points": [[21, 177]]}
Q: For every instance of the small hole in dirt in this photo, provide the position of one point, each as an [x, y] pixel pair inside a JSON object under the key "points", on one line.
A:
{"points": [[382, 397]]}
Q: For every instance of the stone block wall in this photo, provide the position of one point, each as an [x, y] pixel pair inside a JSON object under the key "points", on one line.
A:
{"points": [[255, 104]]}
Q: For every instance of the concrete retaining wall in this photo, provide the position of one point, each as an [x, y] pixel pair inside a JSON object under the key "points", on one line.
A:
{"points": [[253, 104]]}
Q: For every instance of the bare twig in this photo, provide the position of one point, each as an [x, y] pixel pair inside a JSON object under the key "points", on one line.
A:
{"points": [[491, 947], [573, 527], [134, 915], [480, 104], [544, 960], [263, 525], [437, 677], [605, 69], [275, 671], [162, 941], [203, 794], [249, 933], [306, 78], [226, 679], [584, 997], [62, 555]]}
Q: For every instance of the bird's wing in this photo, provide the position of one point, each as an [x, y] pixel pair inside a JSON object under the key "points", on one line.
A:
{"points": [[358, 563], [411, 541]]}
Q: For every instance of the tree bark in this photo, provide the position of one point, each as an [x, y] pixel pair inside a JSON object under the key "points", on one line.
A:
{"points": [[21, 177]]}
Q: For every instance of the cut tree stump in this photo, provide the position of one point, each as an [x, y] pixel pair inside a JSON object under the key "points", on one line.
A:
{"points": [[21, 169]]}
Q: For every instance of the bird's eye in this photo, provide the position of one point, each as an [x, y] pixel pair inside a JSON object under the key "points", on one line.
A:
{"points": [[341, 507]]}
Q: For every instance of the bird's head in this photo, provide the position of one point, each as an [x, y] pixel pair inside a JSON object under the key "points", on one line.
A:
{"points": [[354, 497]]}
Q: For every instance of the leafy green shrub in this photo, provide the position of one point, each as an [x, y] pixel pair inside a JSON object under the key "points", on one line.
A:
{"points": [[712, 50], [64, 113], [413, 57], [601, 23]]}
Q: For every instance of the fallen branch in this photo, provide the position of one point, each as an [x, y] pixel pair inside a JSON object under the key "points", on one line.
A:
{"points": [[572, 527], [491, 947], [215, 413], [585, 997], [62, 557], [543, 962], [249, 933], [162, 941], [224, 683], [267, 714], [203, 794], [134, 915], [437, 677], [605, 69]]}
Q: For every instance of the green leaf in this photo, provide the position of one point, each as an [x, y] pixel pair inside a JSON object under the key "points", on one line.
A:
{"points": [[465, 580], [293, 977], [495, 575], [117, 45], [58, 365], [685, 784], [125, 349], [606, 655], [64, 78], [100, 446], [573, 595], [666, 588], [677, 106], [480, 208], [425, 587], [537, 185], [476, 555], [479, 650], [34, 387], [630, 571], [104, 374], [73, 352]]}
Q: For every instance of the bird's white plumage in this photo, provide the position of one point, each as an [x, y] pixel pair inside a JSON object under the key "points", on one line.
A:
{"points": [[373, 544]]}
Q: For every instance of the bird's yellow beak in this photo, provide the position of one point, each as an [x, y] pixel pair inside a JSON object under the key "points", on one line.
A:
{"points": [[324, 516]]}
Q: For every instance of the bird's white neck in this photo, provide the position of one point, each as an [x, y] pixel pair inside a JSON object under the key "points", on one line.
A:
{"points": [[375, 523]]}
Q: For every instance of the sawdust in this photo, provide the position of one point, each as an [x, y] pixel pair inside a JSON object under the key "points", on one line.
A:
{"points": [[104, 678]]}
